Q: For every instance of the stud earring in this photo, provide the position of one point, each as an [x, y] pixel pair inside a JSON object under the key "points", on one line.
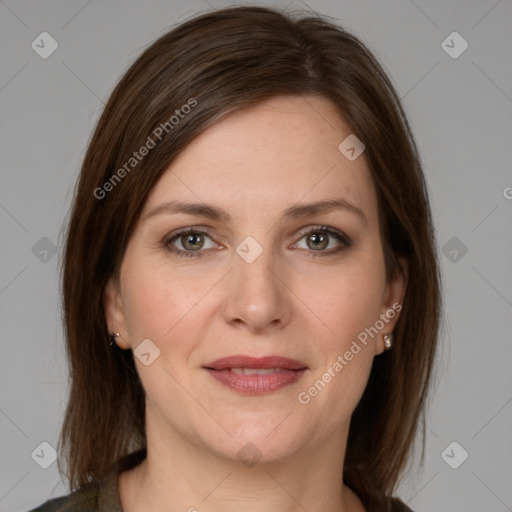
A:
{"points": [[388, 340], [112, 338]]}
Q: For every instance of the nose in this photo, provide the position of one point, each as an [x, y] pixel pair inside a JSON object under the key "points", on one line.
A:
{"points": [[257, 297]]}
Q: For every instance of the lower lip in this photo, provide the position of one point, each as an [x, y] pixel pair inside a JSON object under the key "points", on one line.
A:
{"points": [[256, 384]]}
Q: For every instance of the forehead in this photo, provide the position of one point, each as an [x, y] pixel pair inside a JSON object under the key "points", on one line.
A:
{"points": [[279, 152]]}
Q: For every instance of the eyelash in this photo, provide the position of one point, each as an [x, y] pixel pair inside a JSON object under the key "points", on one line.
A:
{"points": [[338, 235]]}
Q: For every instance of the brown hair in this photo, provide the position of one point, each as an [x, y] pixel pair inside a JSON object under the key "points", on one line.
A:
{"points": [[224, 61]]}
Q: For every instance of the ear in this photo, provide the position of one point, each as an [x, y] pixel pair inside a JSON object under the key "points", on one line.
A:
{"points": [[392, 301], [114, 312]]}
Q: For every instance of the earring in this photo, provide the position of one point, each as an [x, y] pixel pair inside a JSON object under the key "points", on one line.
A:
{"points": [[388, 340], [112, 338]]}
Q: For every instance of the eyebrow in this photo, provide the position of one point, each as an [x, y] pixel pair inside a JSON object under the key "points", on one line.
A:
{"points": [[218, 214]]}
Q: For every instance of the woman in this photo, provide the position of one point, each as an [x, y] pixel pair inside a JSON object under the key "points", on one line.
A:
{"points": [[250, 283]]}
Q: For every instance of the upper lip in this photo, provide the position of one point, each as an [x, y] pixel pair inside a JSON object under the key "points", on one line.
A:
{"points": [[242, 361]]}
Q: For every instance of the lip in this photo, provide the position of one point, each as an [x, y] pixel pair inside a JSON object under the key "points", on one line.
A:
{"points": [[242, 361], [288, 371]]}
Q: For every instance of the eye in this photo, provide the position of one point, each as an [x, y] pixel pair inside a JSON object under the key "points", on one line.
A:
{"points": [[318, 239], [191, 241]]}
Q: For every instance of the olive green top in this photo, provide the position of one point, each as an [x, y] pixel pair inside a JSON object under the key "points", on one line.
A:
{"points": [[99, 497], [103, 496]]}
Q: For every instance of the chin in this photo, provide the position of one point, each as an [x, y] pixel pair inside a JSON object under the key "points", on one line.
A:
{"points": [[260, 442]]}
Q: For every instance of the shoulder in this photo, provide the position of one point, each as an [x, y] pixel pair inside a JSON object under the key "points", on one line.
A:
{"points": [[81, 500], [100, 495]]}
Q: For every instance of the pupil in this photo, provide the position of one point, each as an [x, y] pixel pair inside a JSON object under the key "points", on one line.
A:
{"points": [[192, 239], [317, 239]]}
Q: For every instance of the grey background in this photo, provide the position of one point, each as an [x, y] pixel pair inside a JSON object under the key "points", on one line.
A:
{"points": [[460, 110]]}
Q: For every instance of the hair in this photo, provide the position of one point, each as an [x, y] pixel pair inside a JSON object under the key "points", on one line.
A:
{"points": [[221, 62]]}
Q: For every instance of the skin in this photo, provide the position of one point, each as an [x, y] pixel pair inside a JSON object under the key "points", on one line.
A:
{"points": [[254, 164]]}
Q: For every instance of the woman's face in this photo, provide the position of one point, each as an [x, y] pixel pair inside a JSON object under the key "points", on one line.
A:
{"points": [[260, 276]]}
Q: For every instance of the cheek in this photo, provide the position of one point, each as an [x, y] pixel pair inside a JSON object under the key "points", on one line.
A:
{"points": [[348, 301], [158, 306], [348, 304], [146, 308], [347, 383], [158, 300]]}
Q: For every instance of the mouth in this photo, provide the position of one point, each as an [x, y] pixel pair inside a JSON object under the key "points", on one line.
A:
{"points": [[256, 376]]}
